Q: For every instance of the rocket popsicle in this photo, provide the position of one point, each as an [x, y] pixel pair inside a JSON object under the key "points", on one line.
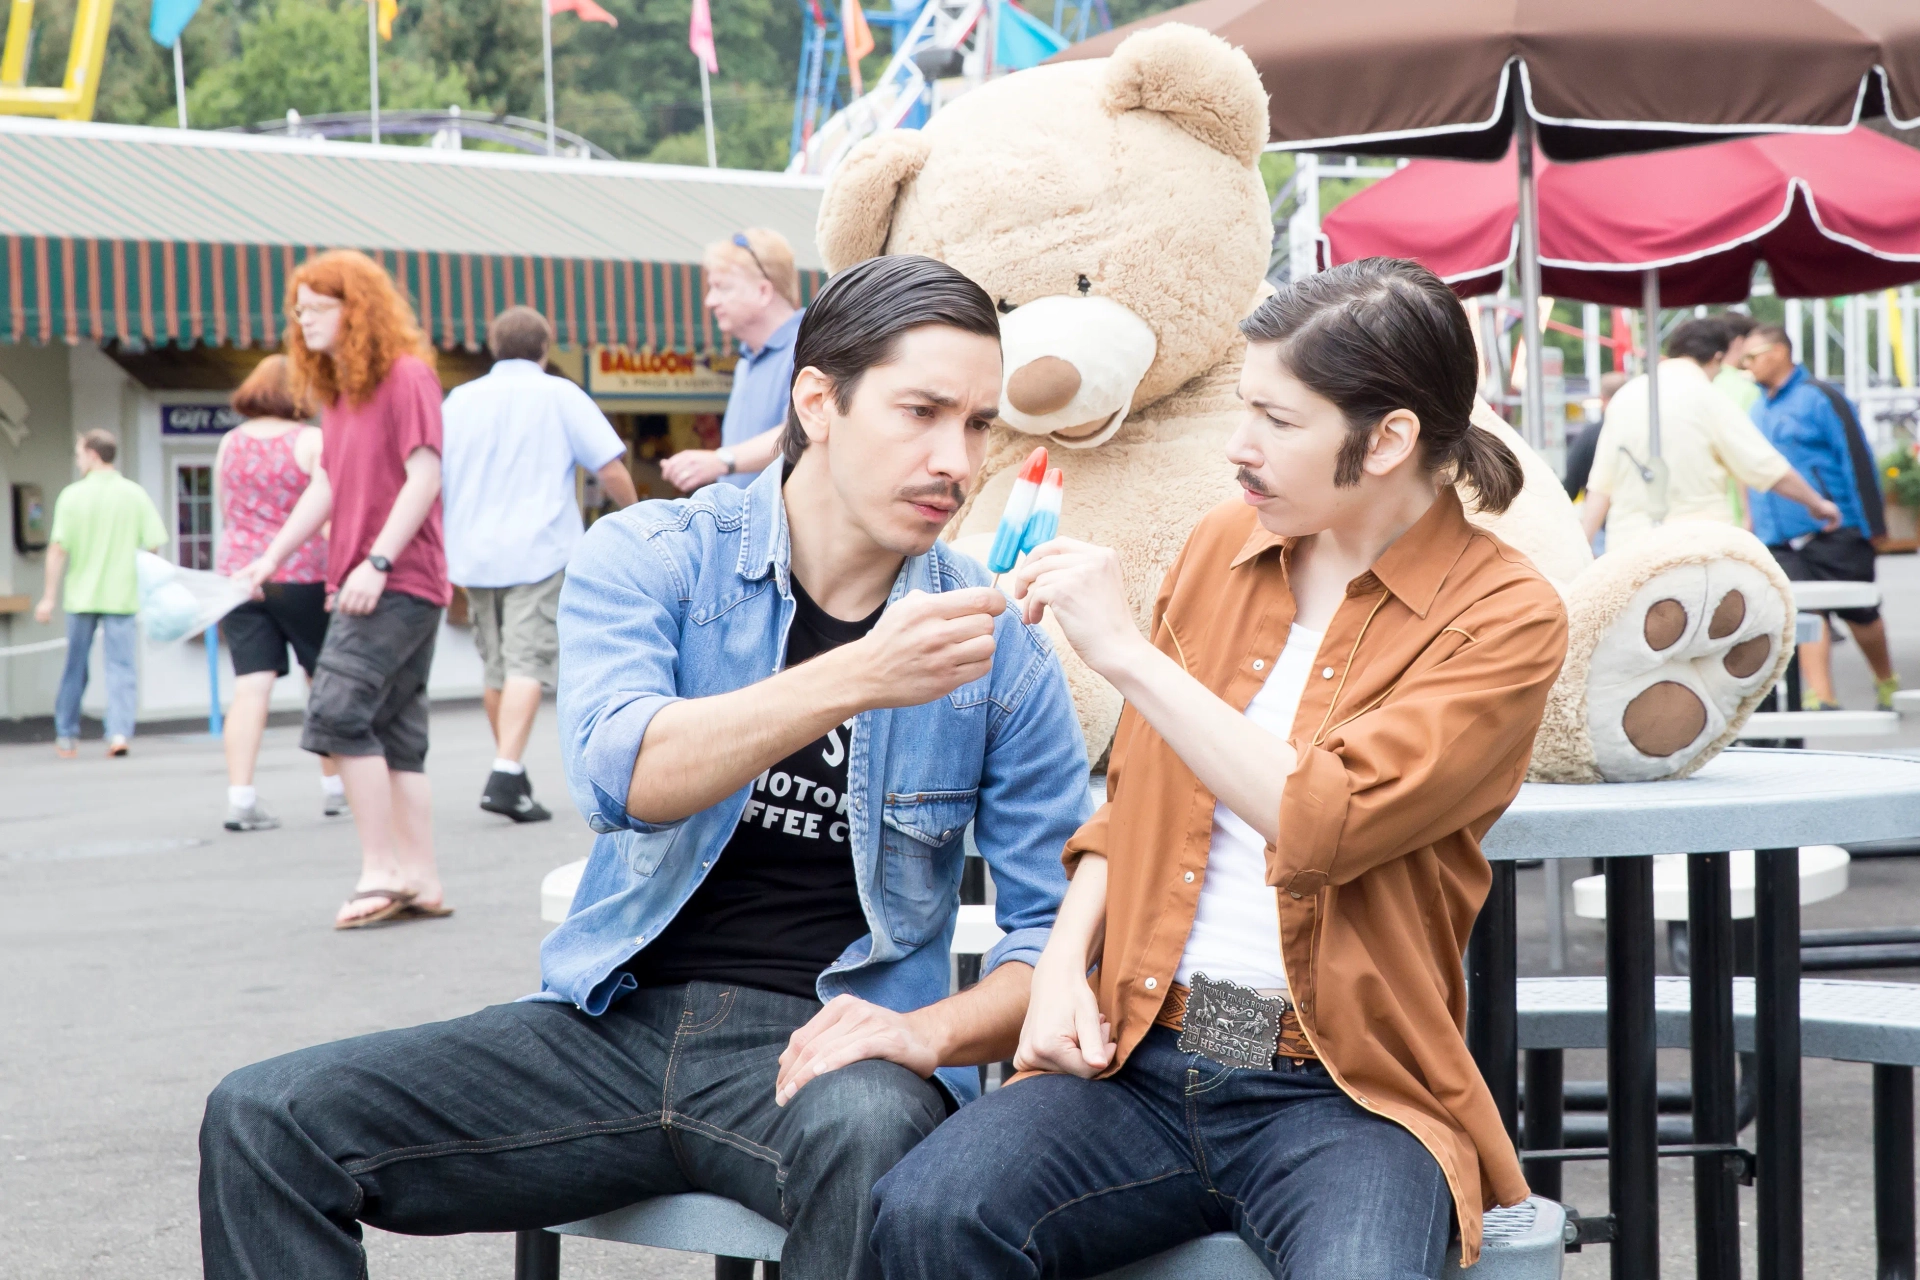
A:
{"points": [[1044, 523], [1009, 537]]}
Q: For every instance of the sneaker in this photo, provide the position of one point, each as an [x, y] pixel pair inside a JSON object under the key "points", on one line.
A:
{"points": [[250, 818], [511, 794], [1883, 691], [66, 748], [333, 806], [116, 746], [1811, 701]]}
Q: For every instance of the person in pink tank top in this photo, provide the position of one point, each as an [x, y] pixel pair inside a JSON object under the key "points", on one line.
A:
{"points": [[260, 472]]}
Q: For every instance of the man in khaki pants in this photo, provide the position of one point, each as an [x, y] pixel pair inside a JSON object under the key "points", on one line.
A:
{"points": [[513, 439]]}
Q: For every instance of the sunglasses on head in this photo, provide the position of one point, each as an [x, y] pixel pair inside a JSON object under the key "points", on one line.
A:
{"points": [[740, 239]]}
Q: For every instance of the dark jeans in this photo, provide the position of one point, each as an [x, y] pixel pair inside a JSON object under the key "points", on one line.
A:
{"points": [[1059, 1176], [532, 1114]]}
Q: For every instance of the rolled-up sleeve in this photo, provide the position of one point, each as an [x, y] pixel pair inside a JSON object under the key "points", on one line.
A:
{"points": [[1033, 794], [1446, 749], [619, 620], [1743, 449]]}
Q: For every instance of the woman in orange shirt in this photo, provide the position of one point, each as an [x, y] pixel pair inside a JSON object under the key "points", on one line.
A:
{"points": [[1337, 698]]}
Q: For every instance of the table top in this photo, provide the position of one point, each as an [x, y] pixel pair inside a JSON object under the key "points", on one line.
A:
{"points": [[1835, 595], [1746, 798]]}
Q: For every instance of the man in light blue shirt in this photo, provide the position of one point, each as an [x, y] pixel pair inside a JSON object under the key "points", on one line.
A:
{"points": [[752, 993], [753, 291], [512, 440]]}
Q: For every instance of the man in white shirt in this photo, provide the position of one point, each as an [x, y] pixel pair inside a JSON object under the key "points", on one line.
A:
{"points": [[1704, 438], [512, 440]]}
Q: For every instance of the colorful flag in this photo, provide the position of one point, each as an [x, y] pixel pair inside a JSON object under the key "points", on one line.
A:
{"points": [[587, 9], [700, 37], [859, 39], [170, 18], [386, 11]]}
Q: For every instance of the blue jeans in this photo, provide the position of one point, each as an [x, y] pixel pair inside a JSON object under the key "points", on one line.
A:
{"points": [[123, 681], [1059, 1176], [533, 1114]]}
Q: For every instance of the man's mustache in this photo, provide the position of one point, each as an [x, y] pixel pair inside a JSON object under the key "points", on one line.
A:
{"points": [[948, 492], [1253, 482]]}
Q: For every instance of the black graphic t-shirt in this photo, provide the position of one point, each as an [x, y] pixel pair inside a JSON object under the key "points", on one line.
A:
{"points": [[781, 904]]}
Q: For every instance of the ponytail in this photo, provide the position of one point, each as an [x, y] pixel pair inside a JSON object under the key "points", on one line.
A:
{"points": [[1483, 460]]}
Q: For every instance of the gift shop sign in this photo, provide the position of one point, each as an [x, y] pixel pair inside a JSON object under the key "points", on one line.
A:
{"points": [[198, 419], [658, 375]]}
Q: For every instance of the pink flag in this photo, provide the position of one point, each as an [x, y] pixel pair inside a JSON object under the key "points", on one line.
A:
{"points": [[700, 37], [587, 9]]}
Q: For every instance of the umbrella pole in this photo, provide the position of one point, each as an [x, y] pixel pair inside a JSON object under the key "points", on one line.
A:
{"points": [[1534, 398], [1656, 478]]}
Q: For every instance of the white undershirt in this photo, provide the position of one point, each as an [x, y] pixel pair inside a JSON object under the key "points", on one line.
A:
{"points": [[1236, 929]]}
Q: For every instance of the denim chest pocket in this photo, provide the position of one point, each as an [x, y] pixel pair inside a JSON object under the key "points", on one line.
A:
{"points": [[920, 860], [645, 850]]}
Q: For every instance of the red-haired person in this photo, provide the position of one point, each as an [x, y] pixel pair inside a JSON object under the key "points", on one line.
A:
{"points": [[262, 468], [356, 350]]}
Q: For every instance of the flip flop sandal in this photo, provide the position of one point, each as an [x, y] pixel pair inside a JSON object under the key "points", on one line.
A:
{"points": [[397, 902], [421, 911]]}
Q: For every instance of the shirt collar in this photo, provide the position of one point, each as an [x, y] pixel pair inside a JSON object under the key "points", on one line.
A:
{"points": [[1414, 566], [1794, 379], [764, 541], [779, 339], [1684, 367], [516, 368]]}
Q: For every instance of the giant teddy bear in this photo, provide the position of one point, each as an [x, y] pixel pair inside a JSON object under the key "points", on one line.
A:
{"points": [[1115, 212]]}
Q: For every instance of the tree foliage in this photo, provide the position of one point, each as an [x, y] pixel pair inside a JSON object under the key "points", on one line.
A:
{"points": [[634, 89]]}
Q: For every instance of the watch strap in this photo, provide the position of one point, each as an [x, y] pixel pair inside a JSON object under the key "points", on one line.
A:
{"points": [[381, 563]]}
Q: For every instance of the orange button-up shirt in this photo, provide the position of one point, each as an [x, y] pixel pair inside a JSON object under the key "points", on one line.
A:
{"points": [[1413, 736]]}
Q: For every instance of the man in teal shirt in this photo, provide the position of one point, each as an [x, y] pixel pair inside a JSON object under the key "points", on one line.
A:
{"points": [[98, 524]]}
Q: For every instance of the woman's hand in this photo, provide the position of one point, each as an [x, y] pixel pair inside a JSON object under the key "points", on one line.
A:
{"points": [[1064, 1030], [1083, 586]]}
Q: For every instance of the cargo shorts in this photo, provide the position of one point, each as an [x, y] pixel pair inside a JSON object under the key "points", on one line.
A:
{"points": [[369, 695], [517, 630]]}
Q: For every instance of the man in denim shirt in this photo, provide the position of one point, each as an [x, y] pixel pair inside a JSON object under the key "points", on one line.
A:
{"points": [[780, 706]]}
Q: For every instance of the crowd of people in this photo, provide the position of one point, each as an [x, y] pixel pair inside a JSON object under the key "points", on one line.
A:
{"points": [[782, 699], [1748, 436]]}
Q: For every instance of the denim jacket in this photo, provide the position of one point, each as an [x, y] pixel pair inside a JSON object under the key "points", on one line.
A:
{"points": [[690, 598]]}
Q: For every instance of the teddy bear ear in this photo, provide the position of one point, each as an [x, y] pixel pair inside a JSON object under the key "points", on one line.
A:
{"points": [[856, 213], [1198, 81]]}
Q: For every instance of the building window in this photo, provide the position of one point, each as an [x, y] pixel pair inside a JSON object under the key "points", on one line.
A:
{"points": [[193, 514]]}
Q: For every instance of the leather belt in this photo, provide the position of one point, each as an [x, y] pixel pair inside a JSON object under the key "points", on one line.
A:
{"points": [[1293, 1042]]}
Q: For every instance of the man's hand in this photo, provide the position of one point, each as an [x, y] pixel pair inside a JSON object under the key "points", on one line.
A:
{"points": [[692, 469], [926, 646], [361, 591], [1825, 512], [847, 1031], [43, 612], [1083, 586], [1064, 1030]]}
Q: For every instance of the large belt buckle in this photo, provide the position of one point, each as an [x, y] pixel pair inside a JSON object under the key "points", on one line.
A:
{"points": [[1232, 1024]]}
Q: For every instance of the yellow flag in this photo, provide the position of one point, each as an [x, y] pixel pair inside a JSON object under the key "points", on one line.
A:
{"points": [[386, 11]]}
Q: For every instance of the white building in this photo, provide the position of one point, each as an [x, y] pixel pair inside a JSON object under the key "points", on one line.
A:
{"points": [[143, 273]]}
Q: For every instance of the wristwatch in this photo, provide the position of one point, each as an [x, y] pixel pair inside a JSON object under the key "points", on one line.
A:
{"points": [[726, 456], [381, 563]]}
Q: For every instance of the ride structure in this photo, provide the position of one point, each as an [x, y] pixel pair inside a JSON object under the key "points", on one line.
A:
{"points": [[940, 49], [87, 53]]}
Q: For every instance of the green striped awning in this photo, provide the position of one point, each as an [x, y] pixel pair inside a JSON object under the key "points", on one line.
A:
{"points": [[61, 289], [168, 238]]}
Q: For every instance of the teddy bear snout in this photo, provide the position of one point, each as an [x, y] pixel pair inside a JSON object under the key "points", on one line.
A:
{"points": [[1073, 365]]}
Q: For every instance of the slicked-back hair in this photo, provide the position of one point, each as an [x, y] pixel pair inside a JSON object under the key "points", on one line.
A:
{"points": [[856, 322], [1701, 338], [1383, 334]]}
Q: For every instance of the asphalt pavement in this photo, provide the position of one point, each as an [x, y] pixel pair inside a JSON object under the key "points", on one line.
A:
{"points": [[147, 952]]}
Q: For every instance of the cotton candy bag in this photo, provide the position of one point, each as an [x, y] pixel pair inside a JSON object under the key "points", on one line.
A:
{"points": [[176, 603]]}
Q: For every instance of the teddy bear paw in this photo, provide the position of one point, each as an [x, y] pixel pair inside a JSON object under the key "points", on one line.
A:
{"points": [[1681, 666]]}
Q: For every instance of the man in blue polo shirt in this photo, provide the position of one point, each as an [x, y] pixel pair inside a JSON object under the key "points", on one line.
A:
{"points": [[1802, 420], [754, 294]]}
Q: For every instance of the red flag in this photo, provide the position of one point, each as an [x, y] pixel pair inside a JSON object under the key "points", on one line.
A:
{"points": [[859, 39], [700, 37], [587, 9]]}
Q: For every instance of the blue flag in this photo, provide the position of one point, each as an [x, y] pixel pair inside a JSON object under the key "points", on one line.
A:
{"points": [[170, 18]]}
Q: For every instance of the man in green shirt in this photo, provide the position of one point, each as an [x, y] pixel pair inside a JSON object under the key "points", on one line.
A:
{"points": [[98, 524]]}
